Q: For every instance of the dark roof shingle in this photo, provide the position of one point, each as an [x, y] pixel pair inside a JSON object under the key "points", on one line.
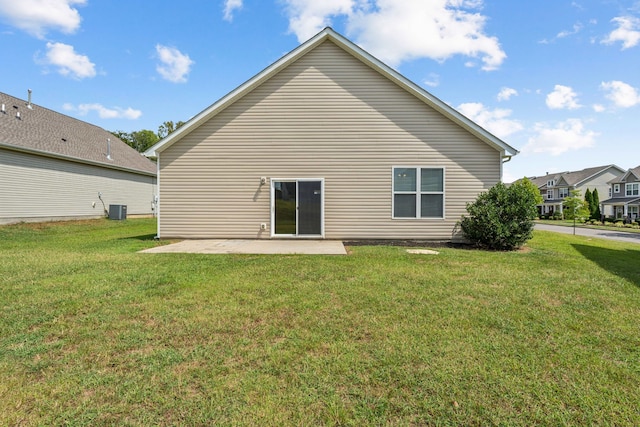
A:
{"points": [[38, 129]]}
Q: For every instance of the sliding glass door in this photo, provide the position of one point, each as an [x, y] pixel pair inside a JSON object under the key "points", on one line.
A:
{"points": [[297, 207]]}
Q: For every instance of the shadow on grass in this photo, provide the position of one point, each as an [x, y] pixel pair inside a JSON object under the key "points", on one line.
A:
{"points": [[623, 263], [144, 237]]}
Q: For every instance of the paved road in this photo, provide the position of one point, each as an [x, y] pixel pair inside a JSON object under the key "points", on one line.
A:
{"points": [[592, 232]]}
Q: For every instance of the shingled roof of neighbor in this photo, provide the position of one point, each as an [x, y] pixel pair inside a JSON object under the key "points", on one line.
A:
{"points": [[31, 128]]}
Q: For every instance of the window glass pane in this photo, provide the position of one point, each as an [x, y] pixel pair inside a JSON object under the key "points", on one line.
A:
{"points": [[404, 205], [431, 180], [431, 206], [404, 179]]}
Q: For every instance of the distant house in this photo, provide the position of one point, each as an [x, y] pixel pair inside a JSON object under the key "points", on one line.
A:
{"points": [[327, 142], [624, 193], [555, 187], [55, 167]]}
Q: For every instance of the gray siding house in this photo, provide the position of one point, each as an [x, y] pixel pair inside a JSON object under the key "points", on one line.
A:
{"points": [[556, 186], [327, 142], [625, 196], [54, 167]]}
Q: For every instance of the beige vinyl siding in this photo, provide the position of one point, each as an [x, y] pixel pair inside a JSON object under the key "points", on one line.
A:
{"points": [[325, 116], [601, 184], [36, 187]]}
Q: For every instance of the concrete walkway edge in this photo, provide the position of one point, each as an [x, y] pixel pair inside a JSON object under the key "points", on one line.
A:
{"points": [[239, 246]]}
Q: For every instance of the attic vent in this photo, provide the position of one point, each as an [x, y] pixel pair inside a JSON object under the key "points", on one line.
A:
{"points": [[3, 109], [18, 115], [64, 139]]}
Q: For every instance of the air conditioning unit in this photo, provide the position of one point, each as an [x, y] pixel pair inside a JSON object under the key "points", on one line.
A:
{"points": [[118, 212]]}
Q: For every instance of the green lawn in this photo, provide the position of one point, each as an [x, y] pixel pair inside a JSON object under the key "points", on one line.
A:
{"points": [[93, 333], [569, 223]]}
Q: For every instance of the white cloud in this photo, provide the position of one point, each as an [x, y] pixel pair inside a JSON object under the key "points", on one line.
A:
{"points": [[566, 33], [506, 93], [229, 7], [433, 80], [307, 17], [562, 97], [495, 121], [397, 31], [104, 112], [569, 135], [622, 94], [628, 32], [174, 65], [36, 17], [69, 62], [598, 108]]}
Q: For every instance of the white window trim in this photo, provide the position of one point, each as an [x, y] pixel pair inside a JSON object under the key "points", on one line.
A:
{"points": [[630, 186], [616, 188], [419, 193], [549, 193], [560, 192]]}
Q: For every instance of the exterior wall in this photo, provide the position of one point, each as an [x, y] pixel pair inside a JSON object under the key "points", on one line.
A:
{"points": [[325, 116], [600, 183], [39, 188]]}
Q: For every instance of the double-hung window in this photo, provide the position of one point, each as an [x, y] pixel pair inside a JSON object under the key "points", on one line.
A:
{"points": [[418, 192], [632, 189], [563, 192]]}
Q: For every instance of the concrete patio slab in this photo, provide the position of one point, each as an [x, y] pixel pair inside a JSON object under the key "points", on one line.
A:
{"points": [[236, 246]]}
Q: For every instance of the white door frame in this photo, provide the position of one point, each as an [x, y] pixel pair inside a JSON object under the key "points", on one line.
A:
{"points": [[273, 208]]}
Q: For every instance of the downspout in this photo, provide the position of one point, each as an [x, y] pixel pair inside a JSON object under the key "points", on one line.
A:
{"points": [[157, 196]]}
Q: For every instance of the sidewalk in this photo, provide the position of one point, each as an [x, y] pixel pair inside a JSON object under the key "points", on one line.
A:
{"points": [[613, 234]]}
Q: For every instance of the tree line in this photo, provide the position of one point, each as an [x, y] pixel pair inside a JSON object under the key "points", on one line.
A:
{"points": [[143, 139]]}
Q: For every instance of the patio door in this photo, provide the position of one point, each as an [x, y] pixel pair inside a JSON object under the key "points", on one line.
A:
{"points": [[297, 207]]}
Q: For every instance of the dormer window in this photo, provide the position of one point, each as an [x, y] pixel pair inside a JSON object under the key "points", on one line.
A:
{"points": [[551, 183]]}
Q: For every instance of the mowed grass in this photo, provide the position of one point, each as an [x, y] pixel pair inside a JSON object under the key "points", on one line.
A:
{"points": [[94, 333]]}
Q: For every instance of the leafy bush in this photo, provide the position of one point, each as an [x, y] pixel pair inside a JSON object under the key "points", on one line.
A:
{"points": [[556, 215], [502, 218]]}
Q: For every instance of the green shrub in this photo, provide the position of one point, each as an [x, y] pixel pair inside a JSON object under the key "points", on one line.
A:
{"points": [[557, 216], [502, 218]]}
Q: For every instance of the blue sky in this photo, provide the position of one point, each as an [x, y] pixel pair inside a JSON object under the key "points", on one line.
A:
{"points": [[557, 79]]}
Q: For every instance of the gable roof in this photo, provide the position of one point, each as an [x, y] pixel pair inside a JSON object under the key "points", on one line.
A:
{"points": [[358, 53], [623, 178], [37, 130], [572, 178]]}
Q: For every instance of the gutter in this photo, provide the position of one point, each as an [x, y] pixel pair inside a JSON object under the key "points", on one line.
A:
{"points": [[74, 159]]}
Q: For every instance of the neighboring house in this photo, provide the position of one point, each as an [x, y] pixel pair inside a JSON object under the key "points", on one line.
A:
{"points": [[624, 192], [327, 142], [555, 187], [55, 167]]}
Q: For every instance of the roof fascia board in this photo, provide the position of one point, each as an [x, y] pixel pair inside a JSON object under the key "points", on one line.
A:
{"points": [[72, 159], [422, 94], [236, 94], [359, 53], [601, 171]]}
